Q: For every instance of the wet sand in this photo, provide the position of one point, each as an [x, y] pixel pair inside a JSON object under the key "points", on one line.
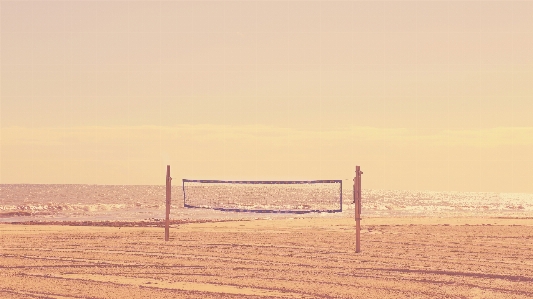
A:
{"points": [[289, 258]]}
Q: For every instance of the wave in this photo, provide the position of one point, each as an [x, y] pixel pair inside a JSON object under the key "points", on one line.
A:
{"points": [[141, 202]]}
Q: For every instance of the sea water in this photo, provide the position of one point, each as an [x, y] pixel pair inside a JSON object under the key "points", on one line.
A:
{"points": [[22, 202]]}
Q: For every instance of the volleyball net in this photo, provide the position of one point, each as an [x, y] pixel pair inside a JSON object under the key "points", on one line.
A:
{"points": [[264, 196]]}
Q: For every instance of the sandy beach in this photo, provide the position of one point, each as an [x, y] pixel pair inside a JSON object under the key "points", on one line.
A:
{"points": [[285, 258], [261, 131]]}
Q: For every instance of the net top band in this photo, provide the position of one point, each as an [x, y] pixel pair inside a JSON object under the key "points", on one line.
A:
{"points": [[263, 182]]}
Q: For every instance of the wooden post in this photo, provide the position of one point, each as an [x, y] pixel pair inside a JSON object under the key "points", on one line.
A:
{"points": [[167, 220], [357, 207]]}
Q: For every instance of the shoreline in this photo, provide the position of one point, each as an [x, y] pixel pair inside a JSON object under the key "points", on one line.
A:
{"points": [[387, 220]]}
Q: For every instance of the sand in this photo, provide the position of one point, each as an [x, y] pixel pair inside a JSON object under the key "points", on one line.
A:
{"points": [[290, 258]]}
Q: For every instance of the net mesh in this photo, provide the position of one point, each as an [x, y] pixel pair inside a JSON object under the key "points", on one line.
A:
{"points": [[264, 196]]}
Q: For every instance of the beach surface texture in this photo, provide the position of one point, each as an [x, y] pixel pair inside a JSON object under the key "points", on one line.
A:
{"points": [[406, 257]]}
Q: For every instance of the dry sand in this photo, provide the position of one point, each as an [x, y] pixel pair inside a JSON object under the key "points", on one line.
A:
{"points": [[291, 258]]}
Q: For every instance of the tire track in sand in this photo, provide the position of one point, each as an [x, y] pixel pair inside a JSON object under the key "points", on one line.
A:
{"points": [[181, 285]]}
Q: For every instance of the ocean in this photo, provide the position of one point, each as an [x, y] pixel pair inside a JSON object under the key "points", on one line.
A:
{"points": [[25, 202]]}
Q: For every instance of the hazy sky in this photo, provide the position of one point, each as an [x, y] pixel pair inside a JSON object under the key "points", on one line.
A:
{"points": [[425, 95]]}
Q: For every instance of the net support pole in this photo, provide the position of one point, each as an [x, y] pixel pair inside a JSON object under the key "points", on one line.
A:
{"points": [[357, 207], [167, 219]]}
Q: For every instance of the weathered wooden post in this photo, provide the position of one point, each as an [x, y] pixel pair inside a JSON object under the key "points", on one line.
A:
{"points": [[167, 221], [357, 205]]}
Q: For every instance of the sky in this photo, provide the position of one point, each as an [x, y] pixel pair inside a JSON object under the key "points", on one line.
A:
{"points": [[423, 95]]}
